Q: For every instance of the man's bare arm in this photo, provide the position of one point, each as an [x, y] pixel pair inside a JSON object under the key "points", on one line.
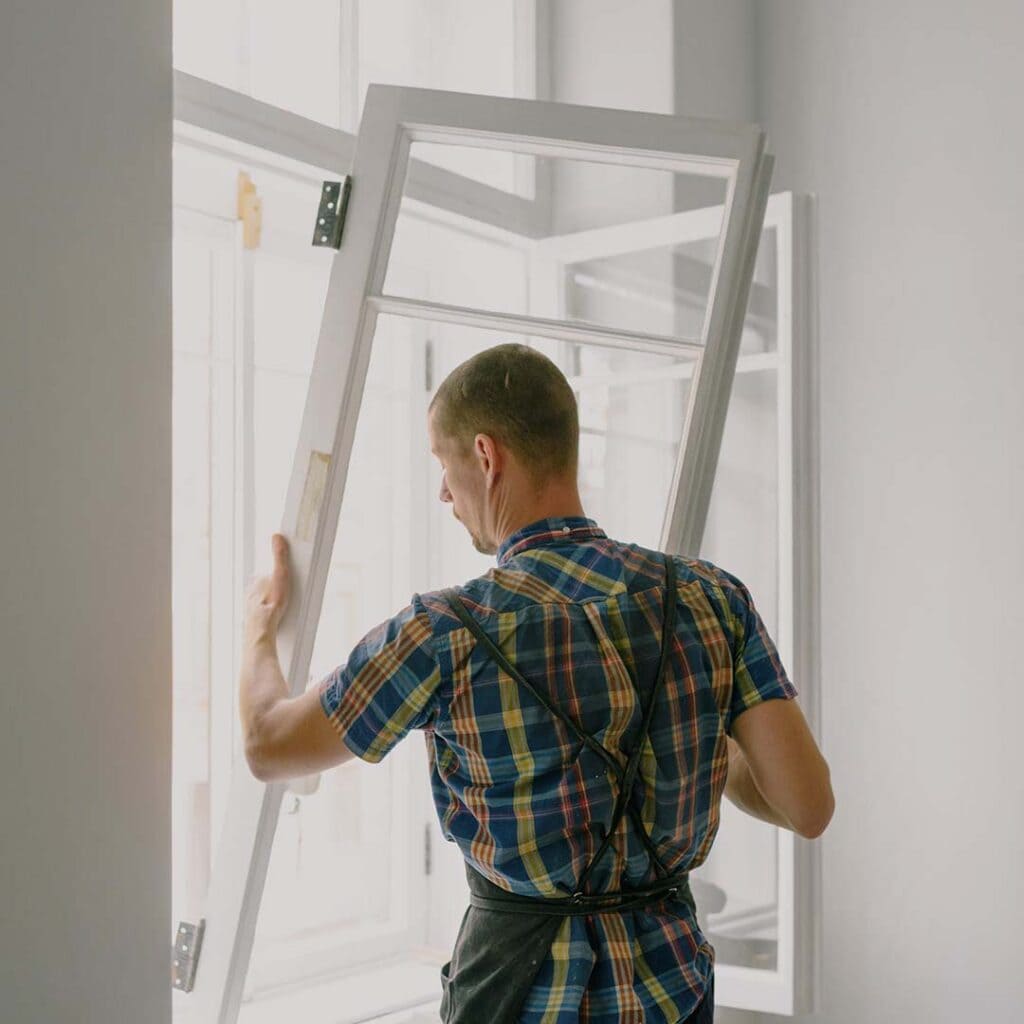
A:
{"points": [[780, 774], [742, 790]]}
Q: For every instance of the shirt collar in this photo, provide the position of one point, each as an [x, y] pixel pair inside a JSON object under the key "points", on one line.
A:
{"points": [[546, 532]]}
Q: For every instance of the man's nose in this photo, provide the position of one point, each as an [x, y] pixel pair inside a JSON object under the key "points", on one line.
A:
{"points": [[445, 495]]}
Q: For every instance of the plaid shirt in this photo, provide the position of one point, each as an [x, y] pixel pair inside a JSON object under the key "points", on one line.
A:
{"points": [[579, 614]]}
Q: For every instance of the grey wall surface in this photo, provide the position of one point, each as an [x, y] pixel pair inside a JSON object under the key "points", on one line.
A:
{"points": [[906, 120], [85, 464]]}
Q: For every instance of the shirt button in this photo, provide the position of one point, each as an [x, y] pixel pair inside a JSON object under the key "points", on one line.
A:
{"points": [[566, 529]]}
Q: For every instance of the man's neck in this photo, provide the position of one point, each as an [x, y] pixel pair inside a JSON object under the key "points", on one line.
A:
{"points": [[563, 505]]}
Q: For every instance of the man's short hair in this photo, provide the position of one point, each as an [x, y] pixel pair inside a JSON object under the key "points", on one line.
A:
{"points": [[518, 396]]}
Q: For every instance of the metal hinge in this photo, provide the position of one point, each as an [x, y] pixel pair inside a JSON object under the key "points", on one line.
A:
{"points": [[330, 218], [428, 367], [428, 865], [186, 954]]}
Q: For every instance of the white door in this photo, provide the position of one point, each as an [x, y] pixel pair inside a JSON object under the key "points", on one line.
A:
{"points": [[380, 311]]}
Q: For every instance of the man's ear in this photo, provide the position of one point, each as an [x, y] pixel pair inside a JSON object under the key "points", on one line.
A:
{"points": [[488, 456]]}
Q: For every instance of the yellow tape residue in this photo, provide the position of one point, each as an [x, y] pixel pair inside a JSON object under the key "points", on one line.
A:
{"points": [[312, 495]]}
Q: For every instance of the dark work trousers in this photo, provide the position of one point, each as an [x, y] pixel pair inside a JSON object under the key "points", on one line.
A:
{"points": [[705, 1011]]}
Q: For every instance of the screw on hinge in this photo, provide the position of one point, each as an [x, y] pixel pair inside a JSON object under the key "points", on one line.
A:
{"points": [[330, 217], [186, 954]]}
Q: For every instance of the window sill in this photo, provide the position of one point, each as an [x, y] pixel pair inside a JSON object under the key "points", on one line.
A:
{"points": [[406, 991]]}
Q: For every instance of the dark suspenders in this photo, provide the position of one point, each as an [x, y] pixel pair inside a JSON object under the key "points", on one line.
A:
{"points": [[668, 885]]}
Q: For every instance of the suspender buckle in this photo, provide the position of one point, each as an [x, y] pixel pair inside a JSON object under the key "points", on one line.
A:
{"points": [[576, 898]]}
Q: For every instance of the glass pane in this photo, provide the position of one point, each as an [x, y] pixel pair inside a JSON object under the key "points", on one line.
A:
{"points": [[461, 45], [658, 290], [665, 289], [285, 55], [295, 57], [340, 885], [737, 887], [317, 58], [632, 407], [289, 285], [208, 41]]}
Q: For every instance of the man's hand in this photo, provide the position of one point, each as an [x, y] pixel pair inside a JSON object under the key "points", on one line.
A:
{"points": [[262, 684], [285, 737], [267, 598]]}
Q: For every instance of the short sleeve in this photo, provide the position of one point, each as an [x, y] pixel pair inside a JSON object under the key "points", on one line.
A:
{"points": [[758, 672], [387, 687]]}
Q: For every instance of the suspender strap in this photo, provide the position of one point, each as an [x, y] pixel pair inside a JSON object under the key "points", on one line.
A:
{"points": [[669, 884], [624, 801], [459, 608]]}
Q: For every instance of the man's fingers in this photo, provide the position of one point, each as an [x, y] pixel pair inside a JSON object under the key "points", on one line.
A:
{"points": [[280, 548], [279, 544]]}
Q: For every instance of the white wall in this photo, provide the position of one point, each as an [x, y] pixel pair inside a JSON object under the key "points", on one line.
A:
{"points": [[85, 460], [907, 121]]}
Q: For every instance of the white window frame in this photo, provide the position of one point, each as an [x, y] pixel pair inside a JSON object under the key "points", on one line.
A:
{"points": [[394, 118]]}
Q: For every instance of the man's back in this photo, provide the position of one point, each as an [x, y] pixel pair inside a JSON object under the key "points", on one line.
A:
{"points": [[580, 616]]}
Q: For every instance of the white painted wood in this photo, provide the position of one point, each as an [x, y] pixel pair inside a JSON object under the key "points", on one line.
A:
{"points": [[791, 987], [516, 323], [678, 371], [634, 236], [668, 230], [727, 303], [598, 134], [392, 118], [353, 998], [802, 295], [241, 118], [206, 114], [245, 470]]}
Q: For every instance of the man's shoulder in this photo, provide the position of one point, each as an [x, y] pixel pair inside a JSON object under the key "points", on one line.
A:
{"points": [[601, 569], [496, 591], [645, 565]]}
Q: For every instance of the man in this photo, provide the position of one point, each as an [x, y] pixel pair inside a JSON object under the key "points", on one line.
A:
{"points": [[586, 703]]}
